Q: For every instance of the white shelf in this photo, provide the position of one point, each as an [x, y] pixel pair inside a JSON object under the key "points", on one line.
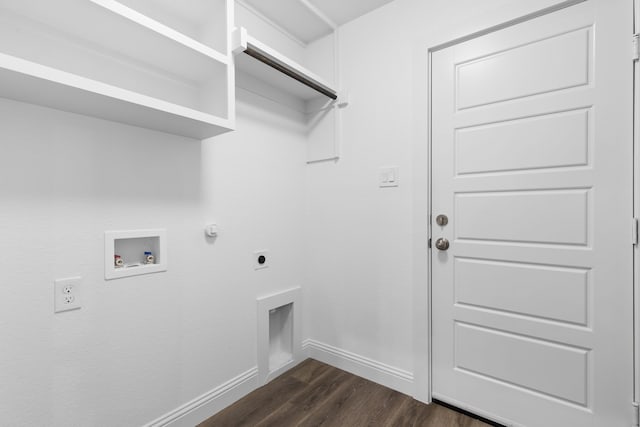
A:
{"points": [[26, 81], [155, 30], [103, 59], [202, 20], [121, 31], [261, 71]]}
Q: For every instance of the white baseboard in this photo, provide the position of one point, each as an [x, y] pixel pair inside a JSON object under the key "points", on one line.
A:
{"points": [[209, 403], [372, 370]]}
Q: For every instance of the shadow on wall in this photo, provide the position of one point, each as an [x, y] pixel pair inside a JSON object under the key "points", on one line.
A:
{"points": [[50, 153], [268, 110]]}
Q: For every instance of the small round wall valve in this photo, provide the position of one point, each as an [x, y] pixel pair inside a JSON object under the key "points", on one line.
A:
{"points": [[117, 261], [442, 220], [211, 230], [149, 258]]}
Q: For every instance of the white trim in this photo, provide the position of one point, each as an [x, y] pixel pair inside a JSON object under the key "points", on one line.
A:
{"points": [[231, 69], [328, 159], [420, 393], [372, 370], [510, 23], [337, 78], [209, 403], [636, 211], [271, 22]]}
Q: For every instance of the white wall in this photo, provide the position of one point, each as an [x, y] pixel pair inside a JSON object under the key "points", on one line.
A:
{"points": [[366, 274], [140, 346], [145, 345]]}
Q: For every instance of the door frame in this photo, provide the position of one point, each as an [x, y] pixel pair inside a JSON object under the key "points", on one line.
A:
{"points": [[427, 329], [636, 212]]}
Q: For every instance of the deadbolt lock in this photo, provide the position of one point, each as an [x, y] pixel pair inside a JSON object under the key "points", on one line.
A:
{"points": [[442, 220]]}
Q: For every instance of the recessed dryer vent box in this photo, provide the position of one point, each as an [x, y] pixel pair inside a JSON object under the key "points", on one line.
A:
{"points": [[279, 333], [136, 252], [280, 336]]}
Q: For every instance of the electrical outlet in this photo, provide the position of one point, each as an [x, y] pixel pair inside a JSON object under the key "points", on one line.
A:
{"points": [[66, 294], [260, 260]]}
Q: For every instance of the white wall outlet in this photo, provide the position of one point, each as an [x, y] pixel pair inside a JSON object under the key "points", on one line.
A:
{"points": [[66, 294], [260, 260]]}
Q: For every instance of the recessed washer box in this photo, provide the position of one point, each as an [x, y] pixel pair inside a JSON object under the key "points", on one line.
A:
{"points": [[132, 246]]}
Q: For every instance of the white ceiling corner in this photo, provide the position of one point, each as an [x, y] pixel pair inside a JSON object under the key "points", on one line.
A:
{"points": [[294, 17], [304, 23], [341, 11]]}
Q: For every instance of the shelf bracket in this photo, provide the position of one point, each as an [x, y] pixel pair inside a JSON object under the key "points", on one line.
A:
{"points": [[239, 41]]}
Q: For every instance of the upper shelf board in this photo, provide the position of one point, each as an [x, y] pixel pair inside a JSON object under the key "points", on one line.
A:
{"points": [[268, 65], [122, 31], [27, 81]]}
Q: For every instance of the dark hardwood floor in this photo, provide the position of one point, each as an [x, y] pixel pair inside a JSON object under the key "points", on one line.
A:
{"points": [[316, 394]]}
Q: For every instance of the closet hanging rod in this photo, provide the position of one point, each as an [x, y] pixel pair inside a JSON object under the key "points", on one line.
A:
{"points": [[243, 43], [257, 54]]}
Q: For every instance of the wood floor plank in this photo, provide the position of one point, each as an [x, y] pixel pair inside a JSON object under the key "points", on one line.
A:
{"points": [[310, 371], [314, 394], [372, 405], [415, 413], [338, 407], [258, 405], [323, 388], [388, 408]]}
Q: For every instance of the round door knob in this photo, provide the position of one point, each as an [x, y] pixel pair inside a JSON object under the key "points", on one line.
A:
{"points": [[442, 244]]}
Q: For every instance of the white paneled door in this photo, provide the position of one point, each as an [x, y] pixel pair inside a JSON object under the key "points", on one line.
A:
{"points": [[532, 164]]}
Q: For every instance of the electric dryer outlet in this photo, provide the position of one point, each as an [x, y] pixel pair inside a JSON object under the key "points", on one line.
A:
{"points": [[261, 260]]}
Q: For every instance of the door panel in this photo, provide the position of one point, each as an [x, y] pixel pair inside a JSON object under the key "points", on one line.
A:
{"points": [[548, 141], [515, 72], [508, 361], [542, 291], [523, 216], [532, 163]]}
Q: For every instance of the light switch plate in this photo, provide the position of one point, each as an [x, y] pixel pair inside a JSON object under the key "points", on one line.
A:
{"points": [[389, 176]]}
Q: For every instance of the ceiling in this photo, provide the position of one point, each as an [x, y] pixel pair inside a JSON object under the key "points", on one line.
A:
{"points": [[308, 20]]}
